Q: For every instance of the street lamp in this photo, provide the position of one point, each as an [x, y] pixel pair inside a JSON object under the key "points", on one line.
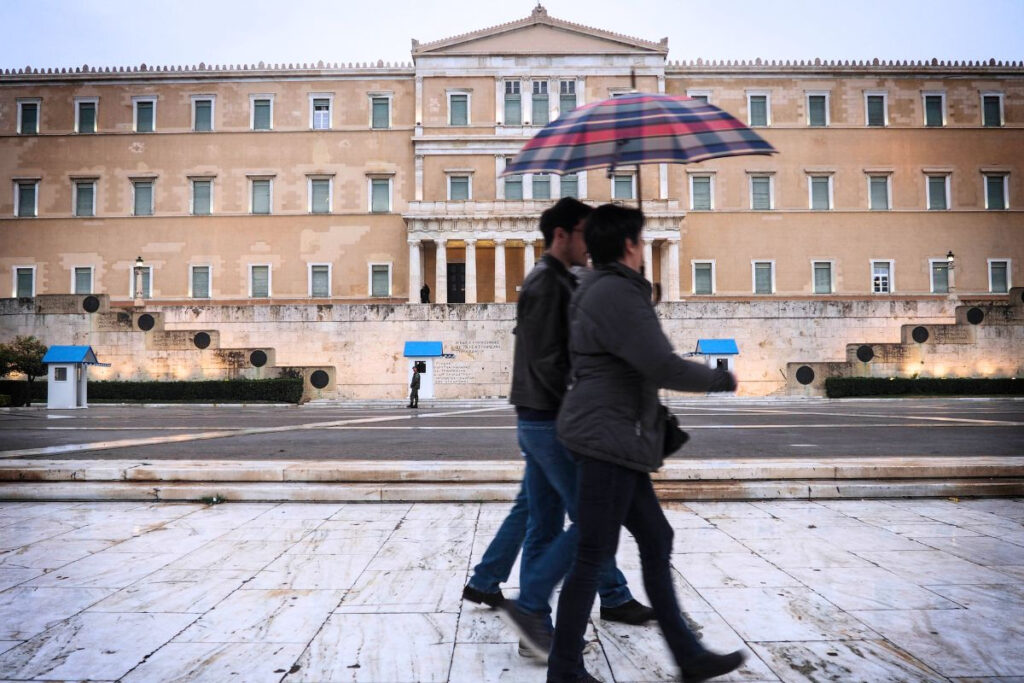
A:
{"points": [[139, 264], [950, 279], [949, 259]]}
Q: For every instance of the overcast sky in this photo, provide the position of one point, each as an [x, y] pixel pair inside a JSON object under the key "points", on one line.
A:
{"points": [[69, 33]]}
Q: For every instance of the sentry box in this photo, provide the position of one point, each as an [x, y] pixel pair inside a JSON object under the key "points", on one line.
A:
{"points": [[67, 375]]}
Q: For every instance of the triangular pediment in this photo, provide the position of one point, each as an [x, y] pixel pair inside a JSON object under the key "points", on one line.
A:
{"points": [[538, 34]]}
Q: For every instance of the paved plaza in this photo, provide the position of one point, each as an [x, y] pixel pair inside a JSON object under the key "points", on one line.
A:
{"points": [[907, 590]]}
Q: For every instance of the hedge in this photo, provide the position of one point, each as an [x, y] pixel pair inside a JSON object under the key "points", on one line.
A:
{"points": [[844, 387], [281, 390]]}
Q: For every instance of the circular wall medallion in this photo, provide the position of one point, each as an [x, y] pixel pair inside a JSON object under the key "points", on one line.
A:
{"points": [[865, 353], [975, 315], [920, 334], [146, 322], [804, 374], [258, 359], [201, 340], [319, 379], [91, 304]]}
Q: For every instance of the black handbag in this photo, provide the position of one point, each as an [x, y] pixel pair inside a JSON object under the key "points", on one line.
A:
{"points": [[675, 437]]}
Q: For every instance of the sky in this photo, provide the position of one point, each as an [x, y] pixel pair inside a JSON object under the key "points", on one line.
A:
{"points": [[71, 33]]}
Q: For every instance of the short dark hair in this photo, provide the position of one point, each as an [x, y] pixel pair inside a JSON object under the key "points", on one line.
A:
{"points": [[607, 229], [565, 214]]}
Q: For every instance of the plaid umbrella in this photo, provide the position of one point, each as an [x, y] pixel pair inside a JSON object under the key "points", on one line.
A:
{"points": [[638, 128]]}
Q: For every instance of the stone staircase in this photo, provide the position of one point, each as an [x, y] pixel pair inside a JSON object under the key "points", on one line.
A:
{"points": [[983, 341]]}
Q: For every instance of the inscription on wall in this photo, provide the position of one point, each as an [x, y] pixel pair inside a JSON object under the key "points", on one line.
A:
{"points": [[474, 347], [451, 372]]}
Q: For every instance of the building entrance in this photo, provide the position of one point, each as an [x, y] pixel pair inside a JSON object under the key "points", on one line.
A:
{"points": [[456, 283]]}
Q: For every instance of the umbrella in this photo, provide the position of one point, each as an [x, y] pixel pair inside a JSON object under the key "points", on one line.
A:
{"points": [[638, 128]]}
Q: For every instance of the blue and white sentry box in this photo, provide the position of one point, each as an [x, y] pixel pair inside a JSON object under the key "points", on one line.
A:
{"points": [[422, 353], [718, 353], [67, 376]]}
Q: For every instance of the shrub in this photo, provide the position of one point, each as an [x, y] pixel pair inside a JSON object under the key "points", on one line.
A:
{"points": [[286, 390], [845, 387]]}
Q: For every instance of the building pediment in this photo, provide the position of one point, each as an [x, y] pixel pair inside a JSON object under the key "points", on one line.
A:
{"points": [[538, 34]]}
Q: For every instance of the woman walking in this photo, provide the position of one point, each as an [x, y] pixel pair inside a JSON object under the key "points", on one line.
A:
{"points": [[610, 421]]}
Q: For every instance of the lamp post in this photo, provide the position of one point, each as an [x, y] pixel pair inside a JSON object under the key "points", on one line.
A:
{"points": [[951, 265], [137, 271]]}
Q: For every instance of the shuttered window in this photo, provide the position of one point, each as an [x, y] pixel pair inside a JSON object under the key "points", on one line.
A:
{"points": [[940, 278], [822, 277], [992, 111], [995, 192], [570, 185], [758, 110], [876, 110], [998, 276], [622, 187], [458, 110], [702, 278], [381, 117], [380, 195], [699, 98], [204, 115], [86, 117], [816, 106], [143, 198], [202, 197], [700, 193], [147, 290], [763, 277], [261, 196], [566, 96], [820, 193], [514, 187], [320, 281], [760, 193], [879, 191], [145, 116], [83, 280], [261, 114], [937, 192], [540, 116], [29, 118], [541, 186], [85, 198], [321, 113], [27, 199], [320, 195], [458, 188], [380, 280], [25, 282], [933, 110], [513, 104], [881, 277], [200, 282], [260, 284]]}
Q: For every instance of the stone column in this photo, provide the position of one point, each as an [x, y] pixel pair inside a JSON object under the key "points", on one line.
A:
{"points": [[529, 257], [499, 271], [673, 269], [441, 271], [470, 271], [415, 271], [649, 259]]}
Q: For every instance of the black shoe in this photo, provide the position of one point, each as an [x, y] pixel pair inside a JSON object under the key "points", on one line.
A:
{"points": [[534, 629], [482, 598], [711, 664], [631, 612], [585, 677]]}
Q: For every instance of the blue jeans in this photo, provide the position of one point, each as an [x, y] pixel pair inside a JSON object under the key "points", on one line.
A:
{"points": [[549, 549], [496, 564]]}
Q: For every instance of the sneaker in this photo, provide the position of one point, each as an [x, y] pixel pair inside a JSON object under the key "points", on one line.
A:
{"points": [[482, 598], [708, 665], [631, 612], [534, 629]]}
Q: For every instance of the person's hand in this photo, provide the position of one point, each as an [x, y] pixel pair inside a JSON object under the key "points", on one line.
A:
{"points": [[723, 381]]}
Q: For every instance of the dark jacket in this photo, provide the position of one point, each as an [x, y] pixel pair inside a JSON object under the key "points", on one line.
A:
{"points": [[620, 357], [540, 365], [415, 383]]}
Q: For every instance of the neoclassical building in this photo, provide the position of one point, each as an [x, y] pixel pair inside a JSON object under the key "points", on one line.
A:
{"points": [[362, 182]]}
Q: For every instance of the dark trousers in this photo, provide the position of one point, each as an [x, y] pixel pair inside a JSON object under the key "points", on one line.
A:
{"points": [[611, 497], [414, 398]]}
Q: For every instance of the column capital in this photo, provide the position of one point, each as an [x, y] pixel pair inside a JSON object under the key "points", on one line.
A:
{"points": [[470, 241], [673, 240], [499, 241], [648, 240]]}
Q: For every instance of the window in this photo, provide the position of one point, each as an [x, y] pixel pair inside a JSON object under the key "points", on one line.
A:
{"points": [[259, 281], [703, 277], [147, 282], [85, 114], [878, 193], [202, 113], [817, 109], [998, 276], [199, 284], [380, 279], [764, 277], [380, 195], [759, 109], [319, 195], [995, 191], [702, 193], [26, 198], [81, 280], [25, 282], [622, 186], [28, 117], [202, 197], [875, 109], [143, 197], [145, 114], [881, 277], [934, 109], [60, 374], [513, 104], [458, 109], [938, 192], [822, 277], [513, 187], [539, 116], [761, 198], [566, 96], [261, 112], [940, 276], [701, 95], [570, 185], [320, 112], [541, 186], [320, 279], [820, 189], [459, 188], [262, 189], [85, 197], [992, 110], [380, 111]]}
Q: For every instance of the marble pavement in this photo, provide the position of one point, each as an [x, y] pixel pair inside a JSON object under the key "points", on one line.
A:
{"points": [[851, 590]]}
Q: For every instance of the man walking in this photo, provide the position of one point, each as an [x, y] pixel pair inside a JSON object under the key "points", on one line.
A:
{"points": [[540, 373], [414, 388]]}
